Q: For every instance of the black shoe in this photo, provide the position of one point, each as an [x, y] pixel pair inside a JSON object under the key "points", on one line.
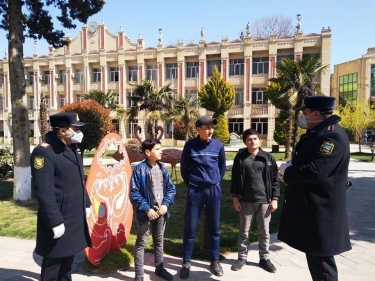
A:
{"points": [[139, 278], [185, 271], [238, 265], [216, 268], [267, 265], [163, 273]]}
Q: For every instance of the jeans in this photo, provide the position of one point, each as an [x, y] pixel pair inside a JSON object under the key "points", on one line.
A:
{"points": [[156, 227], [262, 214], [195, 200]]}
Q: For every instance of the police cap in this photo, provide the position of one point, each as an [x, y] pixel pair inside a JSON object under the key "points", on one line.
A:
{"points": [[65, 119], [321, 103]]}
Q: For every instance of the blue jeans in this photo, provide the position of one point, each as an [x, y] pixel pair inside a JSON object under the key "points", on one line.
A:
{"points": [[195, 200]]}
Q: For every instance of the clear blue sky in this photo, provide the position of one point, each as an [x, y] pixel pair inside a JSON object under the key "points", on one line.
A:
{"points": [[352, 22]]}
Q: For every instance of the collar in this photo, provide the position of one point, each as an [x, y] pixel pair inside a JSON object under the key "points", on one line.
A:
{"points": [[57, 145]]}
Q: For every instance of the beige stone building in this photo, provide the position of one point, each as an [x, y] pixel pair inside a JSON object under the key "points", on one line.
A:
{"points": [[355, 80], [97, 59]]}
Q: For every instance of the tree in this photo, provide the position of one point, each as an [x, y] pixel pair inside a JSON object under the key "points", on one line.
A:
{"points": [[98, 122], [32, 19], [107, 100], [293, 82], [357, 117], [150, 99], [217, 96], [186, 111], [277, 24], [43, 112]]}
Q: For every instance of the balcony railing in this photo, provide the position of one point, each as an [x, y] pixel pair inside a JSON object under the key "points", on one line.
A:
{"points": [[259, 109], [235, 111]]}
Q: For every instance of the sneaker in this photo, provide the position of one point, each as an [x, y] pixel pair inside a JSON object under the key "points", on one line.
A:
{"points": [[267, 265], [185, 271], [238, 265], [216, 268], [163, 273], [139, 278]]}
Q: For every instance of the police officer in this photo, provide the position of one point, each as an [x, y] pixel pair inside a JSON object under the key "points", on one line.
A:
{"points": [[59, 183], [314, 218]]}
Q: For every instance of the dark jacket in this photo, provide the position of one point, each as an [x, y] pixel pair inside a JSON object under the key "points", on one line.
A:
{"points": [[139, 189], [203, 162], [314, 218], [59, 183], [270, 177]]}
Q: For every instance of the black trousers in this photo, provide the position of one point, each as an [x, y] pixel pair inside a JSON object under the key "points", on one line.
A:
{"points": [[322, 268], [57, 269]]}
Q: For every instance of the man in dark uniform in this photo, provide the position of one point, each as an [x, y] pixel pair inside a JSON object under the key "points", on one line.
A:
{"points": [[314, 218], [59, 183]]}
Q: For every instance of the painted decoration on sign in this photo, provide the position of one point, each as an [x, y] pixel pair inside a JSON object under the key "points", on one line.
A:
{"points": [[108, 185]]}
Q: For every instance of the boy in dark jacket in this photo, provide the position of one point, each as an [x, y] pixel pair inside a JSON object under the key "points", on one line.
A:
{"points": [[152, 193], [255, 190]]}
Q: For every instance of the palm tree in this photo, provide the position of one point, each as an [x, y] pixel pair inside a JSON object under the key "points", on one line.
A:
{"points": [[293, 82], [107, 100], [152, 100], [186, 111]]}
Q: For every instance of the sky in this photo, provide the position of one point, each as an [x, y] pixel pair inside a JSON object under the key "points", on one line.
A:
{"points": [[352, 22]]}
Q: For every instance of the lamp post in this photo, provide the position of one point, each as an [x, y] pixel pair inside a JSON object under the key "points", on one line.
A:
{"points": [[372, 148]]}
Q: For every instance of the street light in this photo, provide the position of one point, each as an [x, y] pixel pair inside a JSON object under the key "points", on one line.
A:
{"points": [[372, 148]]}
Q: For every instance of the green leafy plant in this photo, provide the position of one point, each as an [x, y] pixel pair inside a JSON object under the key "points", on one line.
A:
{"points": [[6, 162], [221, 132]]}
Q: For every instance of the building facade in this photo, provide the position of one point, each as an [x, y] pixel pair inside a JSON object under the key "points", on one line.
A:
{"points": [[355, 80], [96, 59]]}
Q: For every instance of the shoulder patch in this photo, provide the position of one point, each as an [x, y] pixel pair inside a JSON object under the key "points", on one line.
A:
{"points": [[45, 145], [38, 162], [327, 147]]}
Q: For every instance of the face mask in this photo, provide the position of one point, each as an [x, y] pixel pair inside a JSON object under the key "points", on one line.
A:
{"points": [[302, 121], [76, 137]]}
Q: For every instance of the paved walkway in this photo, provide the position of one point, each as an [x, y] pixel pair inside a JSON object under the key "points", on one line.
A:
{"points": [[17, 261]]}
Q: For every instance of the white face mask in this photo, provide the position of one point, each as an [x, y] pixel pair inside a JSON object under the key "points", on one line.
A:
{"points": [[76, 137], [302, 121]]}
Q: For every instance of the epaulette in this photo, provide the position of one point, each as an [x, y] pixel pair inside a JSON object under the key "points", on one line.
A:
{"points": [[330, 128], [45, 145]]}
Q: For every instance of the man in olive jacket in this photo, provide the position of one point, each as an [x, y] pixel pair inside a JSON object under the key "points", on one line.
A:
{"points": [[59, 183], [314, 216]]}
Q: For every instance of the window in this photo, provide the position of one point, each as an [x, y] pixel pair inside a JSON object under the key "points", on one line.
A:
{"points": [[1, 79], [260, 65], [192, 93], [48, 101], [62, 77], [79, 98], [62, 101], [236, 67], [133, 74], [78, 76], [258, 96], [31, 102], [192, 69], [116, 126], [171, 70], [152, 72], [2, 105], [238, 97], [113, 74], [130, 102], [348, 88], [279, 58], [46, 77], [260, 124], [235, 125], [30, 78], [210, 66], [132, 124], [96, 75]]}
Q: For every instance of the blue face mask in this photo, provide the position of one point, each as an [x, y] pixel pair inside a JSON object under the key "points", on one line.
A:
{"points": [[302, 121]]}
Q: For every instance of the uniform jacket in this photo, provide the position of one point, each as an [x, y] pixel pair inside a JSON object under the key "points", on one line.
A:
{"points": [[270, 176], [139, 190], [314, 218], [59, 183], [203, 163]]}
